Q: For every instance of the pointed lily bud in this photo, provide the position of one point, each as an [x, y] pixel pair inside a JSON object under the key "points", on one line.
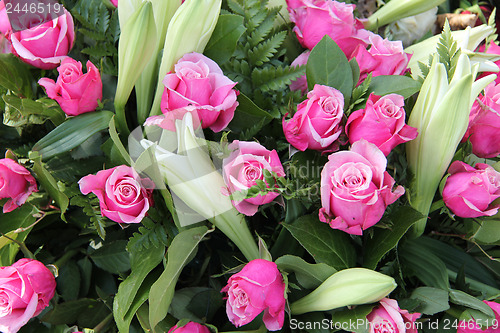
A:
{"points": [[398, 9], [137, 42], [441, 115], [189, 30], [351, 286]]}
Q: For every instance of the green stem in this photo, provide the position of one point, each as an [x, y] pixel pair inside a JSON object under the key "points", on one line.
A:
{"points": [[100, 327], [234, 226], [68, 255], [121, 119]]}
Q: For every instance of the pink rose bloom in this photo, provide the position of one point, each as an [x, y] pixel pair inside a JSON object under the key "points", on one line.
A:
{"points": [[382, 57], [16, 184], [473, 327], [124, 197], [44, 45], [470, 192], [317, 123], [356, 189], [244, 166], [26, 288], [167, 120], [75, 92], [301, 82], [114, 2], [199, 81], [190, 327], [315, 19], [387, 317], [484, 123], [4, 19], [381, 122], [257, 287]]}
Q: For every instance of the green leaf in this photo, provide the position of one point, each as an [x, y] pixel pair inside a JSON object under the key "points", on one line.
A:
{"points": [[247, 114], [18, 218], [180, 252], [264, 51], [384, 240], [70, 312], [394, 84], [182, 298], [353, 320], [222, 44], [432, 300], [49, 183], [72, 133], [328, 65], [15, 75], [426, 266], [308, 275], [68, 281], [461, 298], [112, 257], [22, 111], [142, 263], [486, 230], [332, 247]]}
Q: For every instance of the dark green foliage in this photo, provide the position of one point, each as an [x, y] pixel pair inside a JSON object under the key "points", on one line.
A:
{"points": [[149, 234], [102, 30], [90, 206]]}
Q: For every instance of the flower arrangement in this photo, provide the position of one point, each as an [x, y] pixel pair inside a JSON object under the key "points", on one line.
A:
{"points": [[249, 166]]}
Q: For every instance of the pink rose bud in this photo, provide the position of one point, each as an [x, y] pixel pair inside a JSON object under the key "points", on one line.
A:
{"points": [[381, 122], [470, 192], [315, 19], [199, 81], [190, 327], [75, 92], [382, 57], [244, 166], [257, 287], [45, 45], [16, 184], [124, 197], [387, 317], [473, 327], [317, 123], [484, 123], [356, 189], [26, 288], [301, 82]]}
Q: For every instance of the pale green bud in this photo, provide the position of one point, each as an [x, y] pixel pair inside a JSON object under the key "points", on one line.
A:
{"points": [[189, 31], [135, 47], [398, 9], [441, 115], [351, 286], [468, 40]]}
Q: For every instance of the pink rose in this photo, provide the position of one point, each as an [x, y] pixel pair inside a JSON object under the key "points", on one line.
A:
{"points": [[167, 120], [75, 92], [301, 82], [199, 81], [26, 288], [114, 2], [16, 184], [315, 19], [473, 327], [124, 197], [470, 192], [382, 57], [244, 166], [484, 123], [317, 123], [190, 327], [356, 189], [4, 44], [44, 45], [381, 122], [387, 317], [4, 19], [257, 287]]}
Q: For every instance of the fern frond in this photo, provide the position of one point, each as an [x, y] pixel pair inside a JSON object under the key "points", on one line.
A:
{"points": [[275, 78], [448, 50], [262, 53], [148, 235]]}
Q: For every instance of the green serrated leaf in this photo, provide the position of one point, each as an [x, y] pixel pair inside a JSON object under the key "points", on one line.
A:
{"points": [[222, 44]]}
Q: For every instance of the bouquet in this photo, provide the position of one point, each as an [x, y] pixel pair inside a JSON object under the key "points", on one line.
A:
{"points": [[249, 166]]}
